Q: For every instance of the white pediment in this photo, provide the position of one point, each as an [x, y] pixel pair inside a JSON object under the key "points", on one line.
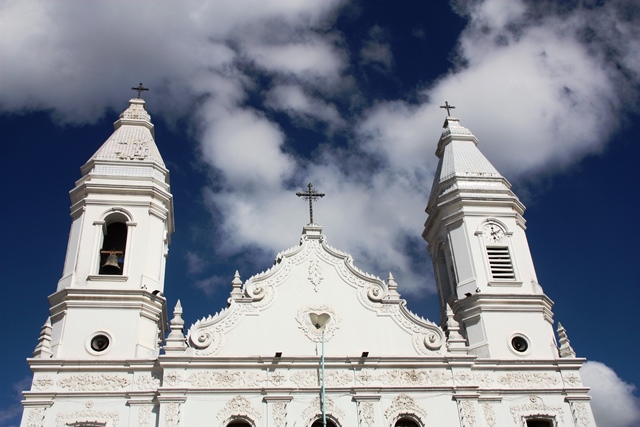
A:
{"points": [[280, 311]]}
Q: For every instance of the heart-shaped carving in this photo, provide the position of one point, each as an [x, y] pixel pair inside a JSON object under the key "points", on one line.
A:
{"points": [[319, 320]]}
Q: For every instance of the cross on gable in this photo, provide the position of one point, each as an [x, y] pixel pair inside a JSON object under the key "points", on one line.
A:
{"points": [[447, 107], [140, 88], [311, 195]]}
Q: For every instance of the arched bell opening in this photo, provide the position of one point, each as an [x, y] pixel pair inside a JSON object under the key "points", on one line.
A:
{"points": [[406, 422], [114, 243]]}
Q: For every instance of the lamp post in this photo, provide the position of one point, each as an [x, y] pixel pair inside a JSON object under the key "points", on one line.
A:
{"points": [[319, 321]]}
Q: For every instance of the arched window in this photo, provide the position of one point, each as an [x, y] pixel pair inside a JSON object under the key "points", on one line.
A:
{"points": [[113, 251], [406, 422], [318, 423], [538, 422], [239, 424]]}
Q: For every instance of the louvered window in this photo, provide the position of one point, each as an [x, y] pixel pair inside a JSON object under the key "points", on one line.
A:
{"points": [[500, 263]]}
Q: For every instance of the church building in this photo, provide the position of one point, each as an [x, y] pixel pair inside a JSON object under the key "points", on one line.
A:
{"points": [[313, 340]]}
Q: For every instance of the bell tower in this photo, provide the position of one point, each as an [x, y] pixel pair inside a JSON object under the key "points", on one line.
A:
{"points": [[109, 301], [481, 258]]}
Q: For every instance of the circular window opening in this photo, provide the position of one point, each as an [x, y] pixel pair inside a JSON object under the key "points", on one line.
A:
{"points": [[99, 343], [519, 344]]}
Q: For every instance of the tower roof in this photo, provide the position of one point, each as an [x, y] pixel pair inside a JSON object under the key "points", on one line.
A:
{"points": [[462, 165], [133, 139]]}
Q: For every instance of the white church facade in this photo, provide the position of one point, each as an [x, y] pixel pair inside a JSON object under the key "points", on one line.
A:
{"points": [[313, 337]]}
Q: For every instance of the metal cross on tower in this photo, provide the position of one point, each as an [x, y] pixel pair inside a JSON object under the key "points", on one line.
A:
{"points": [[140, 89], [447, 107], [311, 195]]}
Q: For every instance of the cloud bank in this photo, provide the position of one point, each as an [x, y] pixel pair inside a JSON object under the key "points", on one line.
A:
{"points": [[613, 402], [540, 85]]}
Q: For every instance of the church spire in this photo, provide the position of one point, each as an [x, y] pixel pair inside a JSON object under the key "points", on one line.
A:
{"points": [[482, 263]]}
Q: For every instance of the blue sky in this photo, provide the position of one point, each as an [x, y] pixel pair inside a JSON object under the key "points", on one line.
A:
{"points": [[253, 99]]}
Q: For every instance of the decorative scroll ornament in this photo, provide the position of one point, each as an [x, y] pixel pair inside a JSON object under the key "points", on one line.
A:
{"points": [[535, 407], [63, 419], [315, 274], [94, 382], [313, 333], [528, 379], [239, 406], [338, 378], [365, 377], [404, 404]]}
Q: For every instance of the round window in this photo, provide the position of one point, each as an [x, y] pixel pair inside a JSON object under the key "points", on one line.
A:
{"points": [[519, 344], [99, 343]]}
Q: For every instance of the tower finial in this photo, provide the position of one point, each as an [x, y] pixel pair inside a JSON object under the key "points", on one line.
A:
{"points": [[311, 195], [565, 345], [140, 88], [446, 106]]}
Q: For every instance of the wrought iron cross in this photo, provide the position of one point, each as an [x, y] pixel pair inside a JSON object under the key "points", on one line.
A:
{"points": [[447, 107], [311, 195], [140, 89]]}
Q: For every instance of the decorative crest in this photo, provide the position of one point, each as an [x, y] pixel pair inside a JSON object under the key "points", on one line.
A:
{"points": [[311, 195], [447, 107], [140, 88]]}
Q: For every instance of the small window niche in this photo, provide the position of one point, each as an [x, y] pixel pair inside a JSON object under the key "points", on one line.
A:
{"points": [[406, 422], [113, 251]]}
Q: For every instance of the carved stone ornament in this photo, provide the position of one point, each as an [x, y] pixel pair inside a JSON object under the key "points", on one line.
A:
{"points": [[277, 378], [147, 382], [489, 414], [314, 410], [338, 378], [35, 417], [573, 380], [414, 377], [304, 379], [144, 416], [528, 379], [581, 414], [173, 379], [279, 411], [367, 413], [172, 414], [473, 379], [94, 382], [365, 377], [90, 414], [239, 406], [314, 334], [404, 404], [467, 413], [535, 407], [43, 383], [315, 274], [225, 379]]}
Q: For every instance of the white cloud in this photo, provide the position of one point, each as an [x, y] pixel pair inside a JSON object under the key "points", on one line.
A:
{"points": [[613, 402], [376, 50], [303, 107]]}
